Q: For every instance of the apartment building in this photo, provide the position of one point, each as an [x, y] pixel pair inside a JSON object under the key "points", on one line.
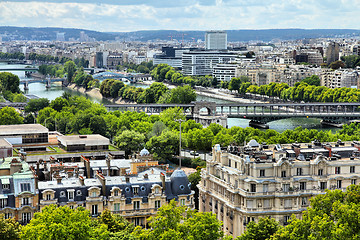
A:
{"points": [[340, 78], [242, 184], [225, 72], [18, 194]]}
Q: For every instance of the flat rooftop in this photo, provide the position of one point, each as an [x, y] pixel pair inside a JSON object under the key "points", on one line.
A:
{"points": [[87, 140], [19, 129]]}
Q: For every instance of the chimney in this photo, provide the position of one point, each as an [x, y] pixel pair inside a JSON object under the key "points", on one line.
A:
{"points": [[328, 147], [127, 179], [108, 165], [58, 179], [87, 165], [103, 182], [76, 172], [70, 173], [37, 168], [82, 180], [162, 177], [45, 166], [36, 182], [52, 160]]}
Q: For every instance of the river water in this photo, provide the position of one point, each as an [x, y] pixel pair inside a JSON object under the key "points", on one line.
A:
{"points": [[57, 90]]}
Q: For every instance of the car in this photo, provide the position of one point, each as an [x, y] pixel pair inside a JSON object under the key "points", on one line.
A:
{"points": [[194, 153]]}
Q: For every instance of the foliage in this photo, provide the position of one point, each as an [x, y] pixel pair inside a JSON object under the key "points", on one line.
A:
{"points": [[9, 228], [9, 82], [144, 67], [194, 179], [313, 80], [172, 222], [63, 223], [16, 55], [335, 215], [351, 61], [9, 115], [261, 230], [130, 141], [118, 227], [35, 105], [164, 146], [235, 83], [337, 64], [181, 95], [69, 69]]}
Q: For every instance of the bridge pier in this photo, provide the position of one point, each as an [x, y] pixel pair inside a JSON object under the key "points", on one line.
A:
{"points": [[26, 85]]}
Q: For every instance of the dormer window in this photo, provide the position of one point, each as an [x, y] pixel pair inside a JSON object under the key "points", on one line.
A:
{"points": [[136, 190], [116, 193], [93, 194], [48, 197], [25, 187], [71, 194], [157, 190]]}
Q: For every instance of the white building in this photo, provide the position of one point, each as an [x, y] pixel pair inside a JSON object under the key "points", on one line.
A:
{"points": [[203, 62], [225, 72], [215, 40]]}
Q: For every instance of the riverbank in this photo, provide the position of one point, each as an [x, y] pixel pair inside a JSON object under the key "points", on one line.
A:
{"points": [[95, 93]]}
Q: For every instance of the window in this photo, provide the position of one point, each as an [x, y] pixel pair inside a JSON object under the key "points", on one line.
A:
{"points": [[299, 171], [8, 215], [320, 172], [3, 203], [48, 197], [136, 190], [71, 195], [157, 204], [25, 187], [229, 163], [253, 188], [25, 201], [262, 173], [288, 203], [116, 206], [303, 201], [116, 193], [337, 170], [26, 217], [323, 185], [182, 202], [94, 210], [302, 185], [6, 186], [62, 194], [265, 187], [93, 194], [266, 203], [286, 187], [136, 205], [157, 190], [249, 203], [352, 169], [286, 220], [353, 181], [338, 183], [78, 193], [71, 206], [283, 173]]}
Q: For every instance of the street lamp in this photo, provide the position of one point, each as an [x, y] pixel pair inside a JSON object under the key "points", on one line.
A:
{"points": [[180, 121]]}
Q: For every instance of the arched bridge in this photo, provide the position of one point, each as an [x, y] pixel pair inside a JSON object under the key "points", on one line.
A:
{"points": [[47, 81], [112, 75], [256, 112]]}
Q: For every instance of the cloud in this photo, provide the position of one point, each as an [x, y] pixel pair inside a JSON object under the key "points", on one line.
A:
{"points": [[131, 15]]}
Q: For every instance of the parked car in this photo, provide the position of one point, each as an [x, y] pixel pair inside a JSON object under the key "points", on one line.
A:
{"points": [[194, 153]]}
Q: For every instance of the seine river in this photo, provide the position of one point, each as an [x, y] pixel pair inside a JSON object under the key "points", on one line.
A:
{"points": [[57, 90]]}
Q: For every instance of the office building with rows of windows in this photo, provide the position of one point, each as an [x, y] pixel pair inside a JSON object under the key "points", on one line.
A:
{"points": [[242, 184]]}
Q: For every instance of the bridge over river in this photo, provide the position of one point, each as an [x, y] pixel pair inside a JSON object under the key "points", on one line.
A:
{"points": [[258, 113]]}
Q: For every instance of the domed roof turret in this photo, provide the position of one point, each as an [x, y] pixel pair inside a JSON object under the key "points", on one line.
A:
{"points": [[144, 152], [179, 182]]}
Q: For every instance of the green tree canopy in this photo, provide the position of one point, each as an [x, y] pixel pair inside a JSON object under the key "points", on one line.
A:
{"points": [[9, 228], [35, 105], [9, 115], [63, 223], [70, 69], [130, 141], [261, 230], [173, 222], [9, 82]]}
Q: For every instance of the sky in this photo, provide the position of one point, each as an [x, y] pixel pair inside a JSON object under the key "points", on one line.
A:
{"points": [[133, 15]]}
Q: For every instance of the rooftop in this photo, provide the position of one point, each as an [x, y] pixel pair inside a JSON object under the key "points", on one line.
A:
{"points": [[88, 140], [22, 129]]}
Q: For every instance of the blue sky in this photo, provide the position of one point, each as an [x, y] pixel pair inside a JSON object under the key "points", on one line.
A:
{"points": [[132, 15]]}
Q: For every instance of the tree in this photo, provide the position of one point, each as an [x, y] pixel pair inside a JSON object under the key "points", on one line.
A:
{"points": [[261, 230], [97, 125], [59, 103], [9, 82], [181, 95], [234, 84], [164, 146], [172, 222], [130, 141], [334, 215], [337, 64], [35, 105], [70, 69], [118, 227], [115, 87], [9, 115], [313, 80], [9, 228], [62, 223]]}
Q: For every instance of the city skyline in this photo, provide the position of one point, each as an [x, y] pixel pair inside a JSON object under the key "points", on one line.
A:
{"points": [[117, 16]]}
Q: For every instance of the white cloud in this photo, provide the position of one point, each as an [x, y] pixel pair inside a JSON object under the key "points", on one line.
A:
{"points": [[124, 15]]}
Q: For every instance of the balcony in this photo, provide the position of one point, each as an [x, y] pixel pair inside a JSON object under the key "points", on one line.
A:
{"points": [[49, 202]]}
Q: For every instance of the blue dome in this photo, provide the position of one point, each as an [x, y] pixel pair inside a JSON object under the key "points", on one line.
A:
{"points": [[144, 152]]}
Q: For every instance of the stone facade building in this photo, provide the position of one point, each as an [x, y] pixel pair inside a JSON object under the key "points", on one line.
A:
{"points": [[242, 184]]}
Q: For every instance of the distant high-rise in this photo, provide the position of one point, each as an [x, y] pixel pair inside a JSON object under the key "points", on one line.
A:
{"points": [[332, 52], [60, 36], [215, 40], [84, 37]]}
